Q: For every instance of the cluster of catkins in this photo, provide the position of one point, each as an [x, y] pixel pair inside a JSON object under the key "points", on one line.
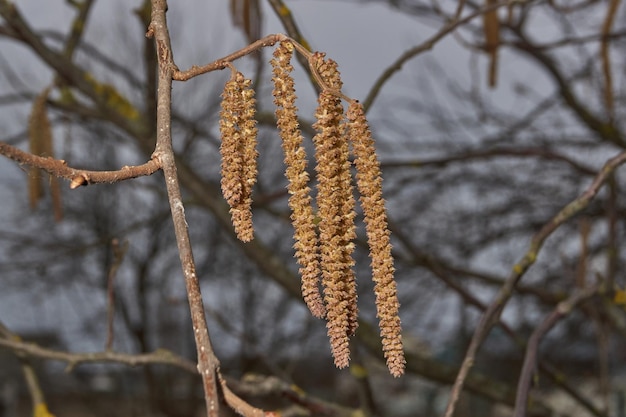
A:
{"points": [[323, 239]]}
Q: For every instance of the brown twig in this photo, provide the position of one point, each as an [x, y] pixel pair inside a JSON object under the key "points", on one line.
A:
{"points": [[492, 314], [208, 364], [160, 356], [606, 59], [222, 63], [78, 26], [284, 15], [613, 243], [255, 385], [118, 256], [459, 9], [239, 405], [283, 12], [78, 177], [427, 45], [530, 359], [471, 155], [38, 401]]}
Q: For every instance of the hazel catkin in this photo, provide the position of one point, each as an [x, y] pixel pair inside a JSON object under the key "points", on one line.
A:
{"points": [[336, 211], [238, 151], [305, 234], [369, 183]]}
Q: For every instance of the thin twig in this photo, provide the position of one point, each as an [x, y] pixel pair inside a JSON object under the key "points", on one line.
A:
{"points": [[254, 385], [160, 356], [613, 239], [118, 256], [283, 12], [427, 45], [606, 59], [530, 359], [222, 63], [78, 177], [78, 27], [208, 364], [492, 314], [471, 155], [459, 9], [38, 401]]}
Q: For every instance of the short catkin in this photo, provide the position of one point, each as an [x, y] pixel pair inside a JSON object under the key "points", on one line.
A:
{"points": [[238, 151]]}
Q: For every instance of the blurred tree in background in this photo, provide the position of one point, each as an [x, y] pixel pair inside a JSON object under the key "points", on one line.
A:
{"points": [[500, 132]]}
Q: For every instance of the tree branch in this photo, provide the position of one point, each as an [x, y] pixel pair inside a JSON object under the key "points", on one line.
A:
{"points": [[429, 43], [492, 314], [78, 177], [160, 356], [605, 129], [222, 63], [530, 359], [208, 364], [471, 155]]}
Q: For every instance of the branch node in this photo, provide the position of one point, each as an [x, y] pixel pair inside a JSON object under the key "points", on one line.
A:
{"points": [[79, 180]]}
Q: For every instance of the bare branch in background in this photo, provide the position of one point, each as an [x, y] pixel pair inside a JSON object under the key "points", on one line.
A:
{"points": [[490, 317], [532, 350]]}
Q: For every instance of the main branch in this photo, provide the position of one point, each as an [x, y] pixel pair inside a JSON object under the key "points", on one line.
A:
{"points": [[208, 363]]}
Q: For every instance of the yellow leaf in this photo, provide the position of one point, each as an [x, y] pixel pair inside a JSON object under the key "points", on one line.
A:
{"points": [[358, 371], [112, 98], [620, 297], [41, 410], [297, 389]]}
